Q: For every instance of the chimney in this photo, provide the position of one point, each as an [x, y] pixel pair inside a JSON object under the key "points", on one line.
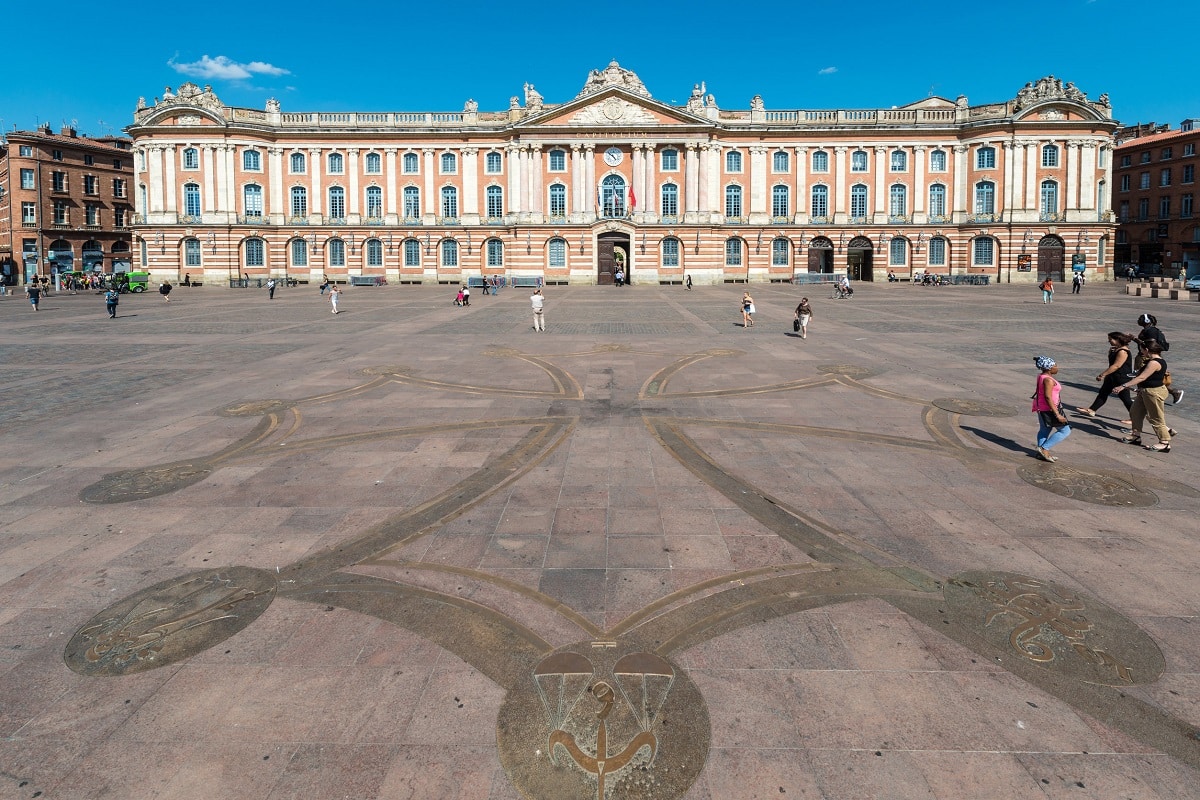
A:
{"points": [[69, 131]]}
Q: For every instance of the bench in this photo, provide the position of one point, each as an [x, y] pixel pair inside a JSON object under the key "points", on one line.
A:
{"points": [[802, 278], [368, 280], [531, 282]]}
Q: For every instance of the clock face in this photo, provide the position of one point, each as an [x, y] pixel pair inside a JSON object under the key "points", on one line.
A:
{"points": [[613, 156]]}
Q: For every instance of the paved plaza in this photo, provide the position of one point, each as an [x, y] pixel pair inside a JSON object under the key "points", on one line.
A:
{"points": [[250, 549]]}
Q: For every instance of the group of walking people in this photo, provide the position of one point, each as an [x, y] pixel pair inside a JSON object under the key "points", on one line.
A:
{"points": [[1142, 382]]}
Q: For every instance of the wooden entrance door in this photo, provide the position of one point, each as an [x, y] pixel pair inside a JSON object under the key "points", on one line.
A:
{"points": [[606, 262], [1050, 259]]}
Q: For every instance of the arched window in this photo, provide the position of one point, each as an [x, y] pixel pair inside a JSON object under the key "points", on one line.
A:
{"points": [[495, 253], [780, 202], [558, 200], [985, 157], [858, 201], [669, 200], [336, 164], [191, 199], [1049, 204], [937, 161], [670, 252], [254, 251], [374, 249], [412, 204], [898, 201], [337, 253], [985, 197], [251, 160], [937, 200], [495, 203], [858, 161], [374, 203], [898, 251], [337, 202], [558, 160], [983, 251], [412, 164], [670, 160], [449, 253], [780, 252], [899, 161], [820, 161], [299, 253], [820, 201], [780, 162], [450, 204], [296, 164], [937, 252], [558, 252], [299, 201], [733, 202], [252, 200], [492, 163], [733, 161], [191, 252], [412, 253], [373, 164], [1050, 155], [449, 164], [612, 196], [733, 252], [191, 158]]}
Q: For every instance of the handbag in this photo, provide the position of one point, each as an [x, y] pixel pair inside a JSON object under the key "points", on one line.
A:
{"points": [[796, 326]]}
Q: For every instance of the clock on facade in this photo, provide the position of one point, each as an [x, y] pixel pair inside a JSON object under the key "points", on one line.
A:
{"points": [[613, 156]]}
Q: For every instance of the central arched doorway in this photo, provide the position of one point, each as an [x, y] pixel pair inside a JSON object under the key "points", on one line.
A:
{"points": [[612, 248], [859, 264], [820, 255], [1050, 258]]}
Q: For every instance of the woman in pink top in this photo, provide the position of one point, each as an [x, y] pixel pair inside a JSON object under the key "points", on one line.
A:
{"points": [[1052, 425]]}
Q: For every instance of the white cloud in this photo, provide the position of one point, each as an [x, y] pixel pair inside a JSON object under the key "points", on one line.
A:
{"points": [[827, 71], [223, 67]]}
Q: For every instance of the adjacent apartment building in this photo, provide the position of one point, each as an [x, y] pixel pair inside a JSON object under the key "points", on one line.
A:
{"points": [[568, 191], [1155, 198], [65, 203]]}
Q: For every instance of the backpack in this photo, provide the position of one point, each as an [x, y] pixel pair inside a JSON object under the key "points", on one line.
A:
{"points": [[1044, 286], [112, 296]]}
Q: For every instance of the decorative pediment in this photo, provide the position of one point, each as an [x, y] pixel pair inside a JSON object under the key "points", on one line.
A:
{"points": [[613, 111], [613, 76], [613, 108]]}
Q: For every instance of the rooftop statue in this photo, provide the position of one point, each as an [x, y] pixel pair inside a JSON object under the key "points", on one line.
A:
{"points": [[613, 75]]}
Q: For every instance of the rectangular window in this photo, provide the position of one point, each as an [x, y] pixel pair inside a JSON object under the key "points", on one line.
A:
{"points": [[937, 161], [858, 202], [191, 253], [29, 213], [412, 253], [1164, 208], [937, 252], [985, 158], [411, 164], [492, 163], [1189, 149], [670, 252], [56, 155], [1144, 180], [58, 181], [90, 185], [983, 252], [558, 200], [1185, 206], [1126, 161], [26, 151], [1124, 183], [93, 215], [62, 213], [669, 202], [1146, 157], [779, 162], [558, 161], [899, 161], [116, 163], [1166, 153], [558, 253], [27, 179], [858, 161], [1189, 173], [670, 160], [118, 187], [88, 160], [119, 216], [1144, 209], [1164, 177]]}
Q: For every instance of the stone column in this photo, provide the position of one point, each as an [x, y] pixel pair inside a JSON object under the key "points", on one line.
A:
{"points": [[650, 202], [839, 203], [470, 187], [275, 175], [169, 183], [802, 208], [389, 158], [1018, 177], [512, 156], [576, 180], [691, 181], [208, 169], [1011, 186], [1032, 201], [879, 207], [1087, 177], [154, 180], [589, 181], [433, 202], [920, 190], [715, 205], [758, 182], [637, 182], [535, 182], [314, 172], [232, 200], [960, 183], [1072, 180], [355, 202]]}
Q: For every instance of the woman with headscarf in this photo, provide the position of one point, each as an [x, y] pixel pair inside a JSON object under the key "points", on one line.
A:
{"points": [[1148, 405], [1052, 425]]}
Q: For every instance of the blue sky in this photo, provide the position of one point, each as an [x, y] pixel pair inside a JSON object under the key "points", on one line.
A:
{"points": [[383, 57]]}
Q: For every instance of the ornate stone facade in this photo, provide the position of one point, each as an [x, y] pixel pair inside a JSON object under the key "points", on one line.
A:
{"points": [[1010, 190]]}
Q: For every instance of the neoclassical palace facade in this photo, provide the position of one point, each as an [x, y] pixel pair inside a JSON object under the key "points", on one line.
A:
{"points": [[613, 178]]}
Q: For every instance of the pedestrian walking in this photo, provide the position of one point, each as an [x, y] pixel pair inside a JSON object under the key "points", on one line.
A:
{"points": [[111, 298], [334, 294], [484, 281], [1152, 382], [747, 311], [1077, 281], [270, 288], [1047, 287], [538, 301], [164, 289], [34, 292], [1120, 369], [1052, 425], [1151, 333], [804, 314], [324, 284], [687, 283]]}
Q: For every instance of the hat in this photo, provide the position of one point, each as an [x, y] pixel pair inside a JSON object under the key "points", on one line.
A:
{"points": [[1044, 362]]}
